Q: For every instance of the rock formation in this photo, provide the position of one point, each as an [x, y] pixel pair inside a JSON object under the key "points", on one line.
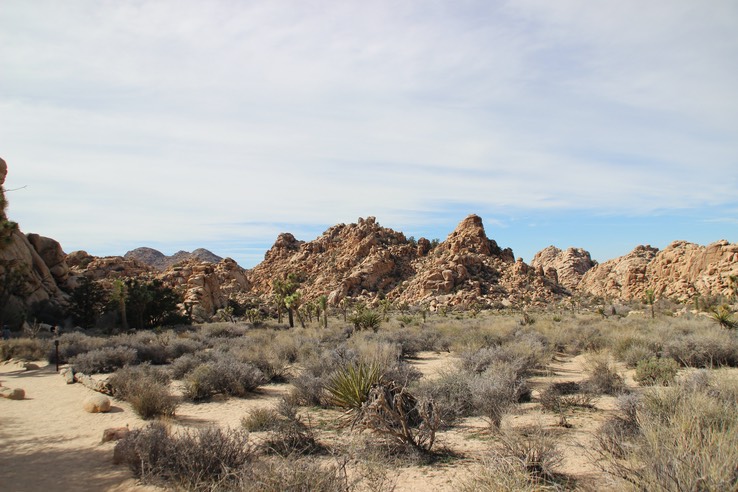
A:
{"points": [[368, 261], [566, 267], [160, 261]]}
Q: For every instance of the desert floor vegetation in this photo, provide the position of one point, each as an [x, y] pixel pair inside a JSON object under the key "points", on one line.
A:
{"points": [[541, 400]]}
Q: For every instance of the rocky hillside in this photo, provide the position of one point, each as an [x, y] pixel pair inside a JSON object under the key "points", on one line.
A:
{"points": [[368, 261], [680, 271], [160, 261]]}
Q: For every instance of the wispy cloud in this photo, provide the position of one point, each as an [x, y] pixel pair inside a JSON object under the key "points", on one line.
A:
{"points": [[168, 122]]}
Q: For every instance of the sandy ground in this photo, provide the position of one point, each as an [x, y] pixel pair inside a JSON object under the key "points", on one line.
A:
{"points": [[48, 442]]}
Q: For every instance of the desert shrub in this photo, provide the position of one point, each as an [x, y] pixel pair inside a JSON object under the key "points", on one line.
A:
{"points": [[290, 436], [308, 390], [71, 344], [656, 370], [23, 349], [146, 389], [306, 474], [193, 460], [603, 378], [535, 451], [526, 354], [394, 413], [705, 348], [451, 392], [222, 375], [106, 359], [261, 419], [561, 397], [686, 440], [496, 391], [503, 474], [412, 341], [221, 330], [636, 353], [309, 385], [149, 346], [619, 432], [179, 346], [187, 363]]}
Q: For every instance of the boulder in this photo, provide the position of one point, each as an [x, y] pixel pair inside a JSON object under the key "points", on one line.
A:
{"points": [[96, 404], [115, 433], [12, 393]]}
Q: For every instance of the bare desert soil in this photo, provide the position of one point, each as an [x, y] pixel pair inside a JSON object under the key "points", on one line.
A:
{"points": [[48, 442]]}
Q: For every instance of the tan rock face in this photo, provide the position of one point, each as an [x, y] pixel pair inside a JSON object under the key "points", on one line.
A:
{"points": [[365, 260], [681, 271], [566, 267]]}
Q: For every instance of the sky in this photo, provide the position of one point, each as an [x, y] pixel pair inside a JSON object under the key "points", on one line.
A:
{"points": [[185, 124]]}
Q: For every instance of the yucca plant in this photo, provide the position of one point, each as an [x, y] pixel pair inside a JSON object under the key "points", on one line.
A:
{"points": [[723, 316], [366, 320], [349, 386]]}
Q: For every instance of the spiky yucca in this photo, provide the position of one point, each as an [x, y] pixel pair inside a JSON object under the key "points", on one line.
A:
{"points": [[349, 386]]}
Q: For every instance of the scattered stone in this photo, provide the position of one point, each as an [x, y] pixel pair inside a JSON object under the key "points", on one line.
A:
{"points": [[96, 404], [68, 374], [12, 393], [30, 366], [115, 433]]}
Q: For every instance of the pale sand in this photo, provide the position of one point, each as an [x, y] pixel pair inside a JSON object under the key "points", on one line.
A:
{"points": [[49, 443]]}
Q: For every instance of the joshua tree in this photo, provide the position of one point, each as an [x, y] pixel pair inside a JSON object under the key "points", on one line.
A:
{"points": [[650, 299], [323, 307], [282, 289]]}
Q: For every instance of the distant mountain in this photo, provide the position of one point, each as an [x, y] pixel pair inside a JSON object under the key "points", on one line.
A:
{"points": [[160, 261]]}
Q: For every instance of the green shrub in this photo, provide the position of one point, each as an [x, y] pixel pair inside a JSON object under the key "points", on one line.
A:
{"points": [[349, 386], [366, 320], [656, 370]]}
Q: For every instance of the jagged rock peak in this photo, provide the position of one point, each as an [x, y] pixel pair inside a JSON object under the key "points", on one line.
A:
{"points": [[470, 237], [160, 261]]}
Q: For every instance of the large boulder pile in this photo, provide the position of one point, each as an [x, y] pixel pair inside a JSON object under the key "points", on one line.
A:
{"points": [[567, 267], [367, 261]]}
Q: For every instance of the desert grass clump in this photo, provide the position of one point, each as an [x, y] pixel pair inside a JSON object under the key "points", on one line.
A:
{"points": [[709, 347], [656, 371], [23, 349], [533, 453], [562, 397], [301, 474], [261, 419], [205, 459], [686, 440], [290, 435], [223, 375], [496, 391], [146, 389], [603, 377], [102, 360]]}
